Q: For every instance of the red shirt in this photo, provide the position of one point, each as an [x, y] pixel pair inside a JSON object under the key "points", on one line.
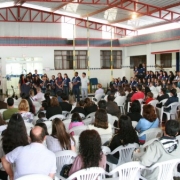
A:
{"points": [[148, 100], [137, 95]]}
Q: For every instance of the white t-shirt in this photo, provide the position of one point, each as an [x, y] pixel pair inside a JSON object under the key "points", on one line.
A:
{"points": [[84, 82], [53, 144], [39, 97], [32, 159]]}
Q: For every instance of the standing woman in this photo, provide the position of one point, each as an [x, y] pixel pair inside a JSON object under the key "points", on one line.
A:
{"points": [[24, 87], [66, 82], [59, 81], [36, 83], [171, 77]]}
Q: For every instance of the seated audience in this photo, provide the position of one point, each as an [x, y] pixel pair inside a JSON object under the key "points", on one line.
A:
{"points": [[39, 96], [89, 141], [59, 96], [174, 86], [125, 135], [149, 97], [30, 159], [99, 90], [59, 140], [138, 95], [148, 121], [65, 106], [42, 117], [43, 125], [3, 105], [24, 111], [46, 102], [79, 108], [135, 114], [102, 104], [16, 128], [101, 123], [54, 108], [89, 106], [76, 120], [173, 98], [166, 148], [10, 109], [162, 95], [111, 106]]}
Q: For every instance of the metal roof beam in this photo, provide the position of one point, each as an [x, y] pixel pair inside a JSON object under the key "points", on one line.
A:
{"points": [[62, 5], [20, 2]]}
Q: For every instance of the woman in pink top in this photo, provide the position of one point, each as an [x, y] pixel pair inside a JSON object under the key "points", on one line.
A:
{"points": [[75, 121], [90, 152]]}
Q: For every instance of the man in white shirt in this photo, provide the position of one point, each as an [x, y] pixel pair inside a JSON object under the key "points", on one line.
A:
{"points": [[39, 96], [84, 86], [34, 158]]}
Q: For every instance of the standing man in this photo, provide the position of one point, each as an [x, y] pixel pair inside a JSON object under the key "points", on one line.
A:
{"points": [[35, 73], [84, 86], [76, 82]]}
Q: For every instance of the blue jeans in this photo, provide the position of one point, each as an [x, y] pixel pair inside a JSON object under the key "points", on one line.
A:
{"points": [[66, 90], [76, 92], [84, 93]]}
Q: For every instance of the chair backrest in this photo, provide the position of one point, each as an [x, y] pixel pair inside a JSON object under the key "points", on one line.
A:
{"points": [[165, 169], [128, 171], [35, 177], [152, 133], [49, 126], [77, 130], [106, 150], [64, 157], [153, 102], [87, 121], [163, 101], [134, 123], [65, 113], [140, 100], [120, 100], [125, 153], [94, 173], [60, 116], [111, 119], [29, 126], [76, 138], [174, 107], [66, 124], [91, 115], [105, 138], [2, 110], [82, 115], [105, 98], [99, 96]]}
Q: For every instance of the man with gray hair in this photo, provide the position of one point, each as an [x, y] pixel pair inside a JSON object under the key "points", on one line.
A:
{"points": [[34, 158]]}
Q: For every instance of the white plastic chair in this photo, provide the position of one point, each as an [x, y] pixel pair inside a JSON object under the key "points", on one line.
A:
{"points": [[94, 173], [62, 158], [105, 98], [106, 150], [151, 133], [49, 126], [97, 97], [153, 103], [77, 130], [66, 124], [87, 121], [129, 104], [2, 110], [65, 113], [35, 177], [125, 154], [128, 171], [165, 169], [111, 119], [29, 126], [91, 115], [134, 123], [105, 138], [120, 100], [76, 138], [60, 116], [172, 112], [37, 105]]}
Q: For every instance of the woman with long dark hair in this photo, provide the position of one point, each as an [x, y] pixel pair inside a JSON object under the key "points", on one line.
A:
{"points": [[59, 140], [14, 136], [24, 86], [66, 82], [126, 134], [36, 83], [59, 83], [90, 152]]}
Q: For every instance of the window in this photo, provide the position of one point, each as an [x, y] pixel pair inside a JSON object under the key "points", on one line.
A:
{"points": [[136, 60], [166, 60], [63, 59], [106, 59]]}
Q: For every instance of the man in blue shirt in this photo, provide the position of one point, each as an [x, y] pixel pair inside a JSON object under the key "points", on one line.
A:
{"points": [[76, 81]]}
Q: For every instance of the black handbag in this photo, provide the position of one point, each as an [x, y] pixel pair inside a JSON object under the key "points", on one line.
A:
{"points": [[65, 170]]}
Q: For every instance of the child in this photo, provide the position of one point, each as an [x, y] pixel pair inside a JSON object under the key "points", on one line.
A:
{"points": [[42, 117], [149, 97]]}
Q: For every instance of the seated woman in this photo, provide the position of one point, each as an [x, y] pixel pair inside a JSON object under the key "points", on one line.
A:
{"points": [[54, 108], [149, 97], [135, 114], [14, 136], [59, 140], [89, 106], [148, 121], [79, 108], [24, 111], [99, 90], [75, 121], [89, 141], [101, 123], [46, 102], [125, 135]]}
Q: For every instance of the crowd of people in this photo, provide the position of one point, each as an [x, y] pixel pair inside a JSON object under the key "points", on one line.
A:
{"points": [[33, 153]]}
